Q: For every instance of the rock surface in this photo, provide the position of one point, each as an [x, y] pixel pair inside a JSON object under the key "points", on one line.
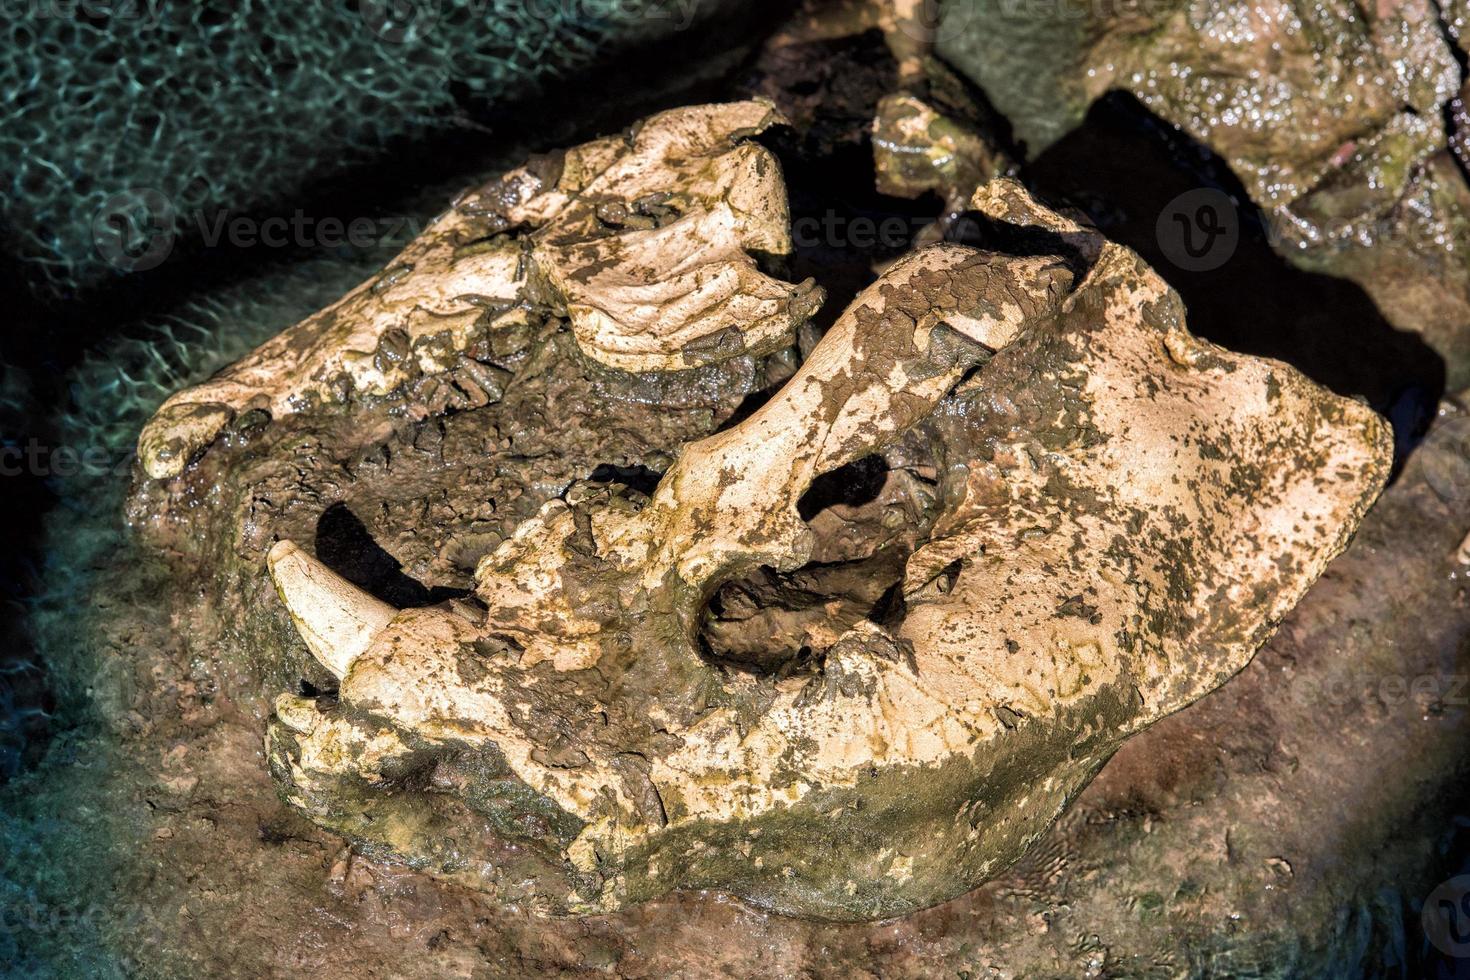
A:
{"points": [[1333, 116], [1290, 824]]}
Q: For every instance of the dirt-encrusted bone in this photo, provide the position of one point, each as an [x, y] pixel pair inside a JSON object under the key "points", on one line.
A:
{"points": [[645, 240], [1126, 512]]}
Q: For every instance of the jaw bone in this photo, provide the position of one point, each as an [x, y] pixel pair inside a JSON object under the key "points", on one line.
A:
{"points": [[1127, 513]]}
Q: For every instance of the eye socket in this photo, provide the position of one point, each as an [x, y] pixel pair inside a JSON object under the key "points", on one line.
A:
{"points": [[866, 518], [858, 483], [640, 478]]}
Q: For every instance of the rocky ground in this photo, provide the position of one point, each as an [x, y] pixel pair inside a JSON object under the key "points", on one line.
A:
{"points": [[1293, 823]]}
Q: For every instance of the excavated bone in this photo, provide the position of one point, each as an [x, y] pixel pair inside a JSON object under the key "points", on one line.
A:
{"points": [[644, 240], [1125, 513]]}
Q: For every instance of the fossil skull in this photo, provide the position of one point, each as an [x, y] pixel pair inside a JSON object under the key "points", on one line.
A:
{"points": [[643, 240], [1124, 513]]}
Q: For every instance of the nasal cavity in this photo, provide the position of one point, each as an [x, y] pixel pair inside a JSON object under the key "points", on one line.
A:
{"points": [[776, 623]]}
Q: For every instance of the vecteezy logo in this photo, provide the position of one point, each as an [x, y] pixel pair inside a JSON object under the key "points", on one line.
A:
{"points": [[1446, 916], [932, 21], [398, 20], [134, 230], [1446, 460], [1199, 230]]}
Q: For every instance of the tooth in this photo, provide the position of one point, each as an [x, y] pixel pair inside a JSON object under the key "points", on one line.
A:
{"points": [[337, 620]]}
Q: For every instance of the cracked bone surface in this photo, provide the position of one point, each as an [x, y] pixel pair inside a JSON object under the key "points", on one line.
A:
{"points": [[1121, 514], [643, 240]]}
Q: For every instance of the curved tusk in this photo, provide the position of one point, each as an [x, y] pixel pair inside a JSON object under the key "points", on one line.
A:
{"points": [[337, 620]]}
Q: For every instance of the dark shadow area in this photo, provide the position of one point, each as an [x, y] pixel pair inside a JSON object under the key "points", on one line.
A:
{"points": [[1428, 960], [25, 696], [344, 545], [1124, 166], [857, 483], [749, 405], [841, 226], [980, 230], [640, 478]]}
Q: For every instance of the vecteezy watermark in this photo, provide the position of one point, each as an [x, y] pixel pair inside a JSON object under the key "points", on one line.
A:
{"points": [[1429, 691], [1446, 916], [401, 21], [933, 22], [143, 11], [38, 459], [1199, 230], [302, 230], [398, 21], [835, 230], [136, 230], [19, 918], [1052, 11], [1447, 471], [143, 927]]}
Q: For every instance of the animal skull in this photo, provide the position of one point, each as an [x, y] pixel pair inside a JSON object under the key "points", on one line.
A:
{"points": [[1124, 515], [642, 240]]}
